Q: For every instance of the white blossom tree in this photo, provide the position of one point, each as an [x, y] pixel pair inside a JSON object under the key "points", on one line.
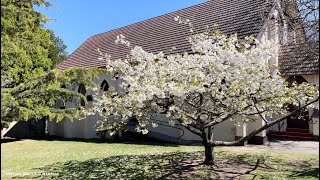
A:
{"points": [[222, 79]]}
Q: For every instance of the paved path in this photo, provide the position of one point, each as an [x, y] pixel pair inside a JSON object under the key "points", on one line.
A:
{"points": [[306, 147]]}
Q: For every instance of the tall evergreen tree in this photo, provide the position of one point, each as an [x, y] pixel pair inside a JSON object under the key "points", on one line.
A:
{"points": [[57, 51], [24, 42], [28, 87]]}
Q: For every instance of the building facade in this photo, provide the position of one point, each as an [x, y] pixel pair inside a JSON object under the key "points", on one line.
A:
{"points": [[262, 19]]}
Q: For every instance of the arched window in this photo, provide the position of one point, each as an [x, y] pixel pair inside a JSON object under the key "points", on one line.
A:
{"points": [[82, 90], [104, 85], [281, 33], [62, 101], [296, 79]]}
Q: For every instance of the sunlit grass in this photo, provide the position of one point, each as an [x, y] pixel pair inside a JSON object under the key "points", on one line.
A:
{"points": [[25, 155], [78, 160]]}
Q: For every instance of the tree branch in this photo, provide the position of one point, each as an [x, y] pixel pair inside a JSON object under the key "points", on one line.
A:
{"points": [[193, 130], [259, 112], [255, 132]]}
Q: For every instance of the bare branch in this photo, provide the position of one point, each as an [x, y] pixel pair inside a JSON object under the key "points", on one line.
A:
{"points": [[193, 130], [259, 112], [255, 132]]}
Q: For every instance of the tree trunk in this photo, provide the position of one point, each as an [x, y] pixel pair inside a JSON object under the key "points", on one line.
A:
{"points": [[209, 156]]}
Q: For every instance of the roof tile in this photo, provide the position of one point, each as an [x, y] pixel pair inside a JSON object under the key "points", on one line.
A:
{"points": [[244, 17], [299, 59]]}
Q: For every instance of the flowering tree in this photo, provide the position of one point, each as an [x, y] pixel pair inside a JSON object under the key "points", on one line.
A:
{"points": [[223, 78]]}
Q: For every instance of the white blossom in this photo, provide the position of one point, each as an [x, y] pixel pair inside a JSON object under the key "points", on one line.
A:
{"points": [[154, 125], [223, 77]]}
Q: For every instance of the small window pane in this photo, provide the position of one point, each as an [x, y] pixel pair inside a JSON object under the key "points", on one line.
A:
{"points": [[82, 90], [104, 85]]}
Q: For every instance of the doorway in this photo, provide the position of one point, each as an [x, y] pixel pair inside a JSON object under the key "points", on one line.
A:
{"points": [[302, 121]]}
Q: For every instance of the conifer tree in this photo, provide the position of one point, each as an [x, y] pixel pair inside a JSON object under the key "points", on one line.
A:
{"points": [[29, 87]]}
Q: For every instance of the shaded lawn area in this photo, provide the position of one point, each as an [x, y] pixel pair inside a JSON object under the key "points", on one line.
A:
{"points": [[27, 159]]}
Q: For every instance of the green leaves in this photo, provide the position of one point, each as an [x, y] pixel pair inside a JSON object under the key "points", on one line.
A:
{"points": [[29, 87], [36, 98], [24, 42], [57, 50]]}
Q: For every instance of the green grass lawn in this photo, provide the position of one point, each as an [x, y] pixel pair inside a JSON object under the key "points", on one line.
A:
{"points": [[27, 159]]}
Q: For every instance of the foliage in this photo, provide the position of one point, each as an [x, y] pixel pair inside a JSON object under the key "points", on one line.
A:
{"points": [[24, 42], [225, 78], [28, 53], [57, 51], [36, 98]]}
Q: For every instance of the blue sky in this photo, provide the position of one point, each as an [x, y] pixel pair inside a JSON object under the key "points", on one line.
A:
{"points": [[76, 20]]}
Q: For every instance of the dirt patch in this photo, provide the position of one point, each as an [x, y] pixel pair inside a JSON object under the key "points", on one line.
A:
{"points": [[225, 169]]}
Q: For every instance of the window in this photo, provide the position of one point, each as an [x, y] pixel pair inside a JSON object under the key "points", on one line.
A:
{"points": [[281, 33], [62, 101], [82, 90], [291, 35], [296, 79], [272, 29], [89, 98], [104, 85]]}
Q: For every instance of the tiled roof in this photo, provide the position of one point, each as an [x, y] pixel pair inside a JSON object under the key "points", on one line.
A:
{"points": [[299, 59], [162, 33]]}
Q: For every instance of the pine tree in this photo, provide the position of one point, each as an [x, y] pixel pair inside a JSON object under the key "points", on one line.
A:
{"points": [[29, 87]]}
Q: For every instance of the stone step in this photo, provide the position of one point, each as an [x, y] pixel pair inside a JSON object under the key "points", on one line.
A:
{"points": [[293, 134], [296, 134], [297, 130], [287, 137]]}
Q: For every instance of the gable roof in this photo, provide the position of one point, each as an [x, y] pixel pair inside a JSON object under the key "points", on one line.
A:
{"points": [[162, 33], [299, 59]]}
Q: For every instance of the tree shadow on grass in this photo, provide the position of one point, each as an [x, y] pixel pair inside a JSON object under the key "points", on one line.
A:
{"points": [[7, 140], [312, 172], [178, 165], [272, 167]]}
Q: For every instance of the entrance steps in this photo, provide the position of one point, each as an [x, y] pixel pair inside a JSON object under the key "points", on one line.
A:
{"points": [[293, 134]]}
